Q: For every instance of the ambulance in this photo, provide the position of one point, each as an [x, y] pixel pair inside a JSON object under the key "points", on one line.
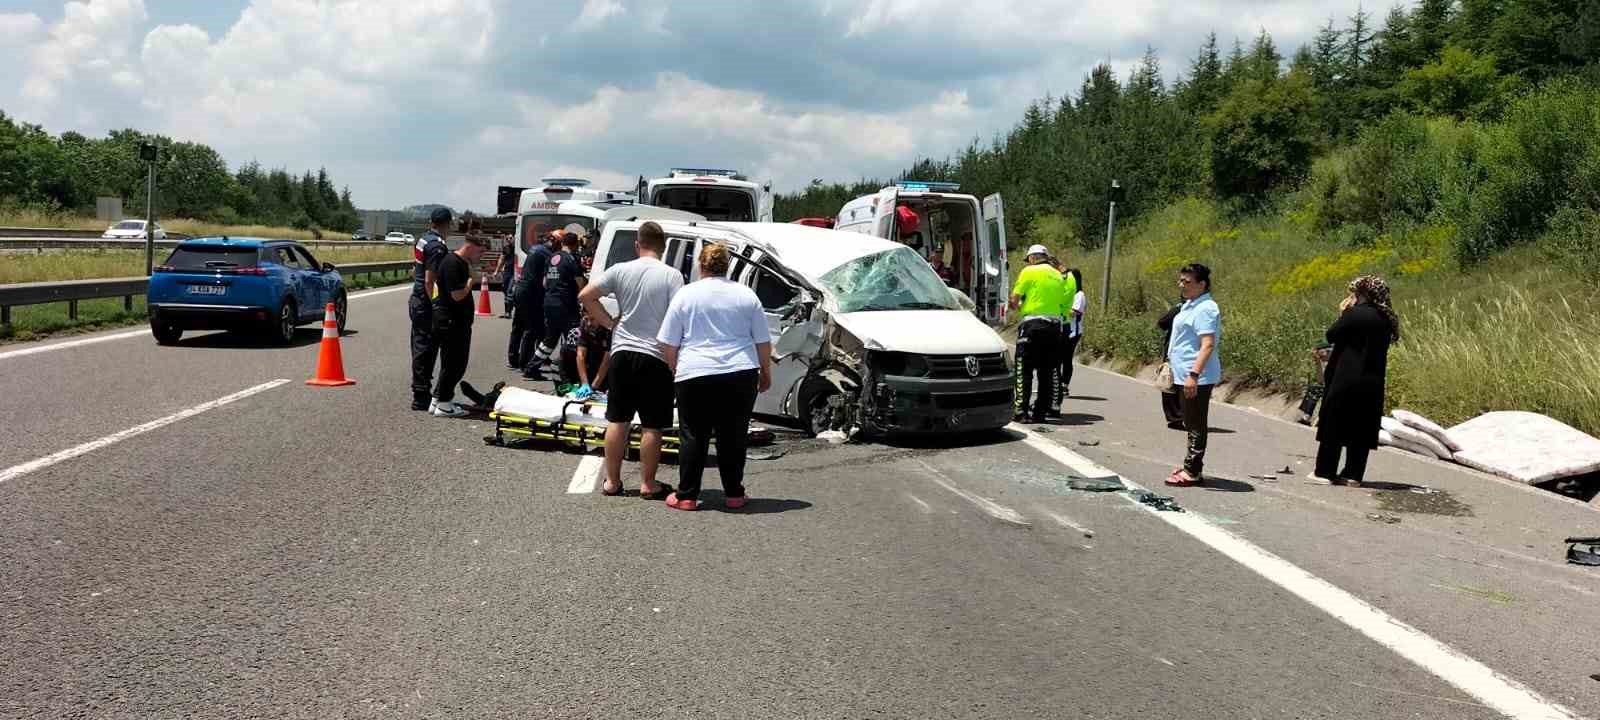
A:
{"points": [[717, 195], [571, 204], [963, 235]]}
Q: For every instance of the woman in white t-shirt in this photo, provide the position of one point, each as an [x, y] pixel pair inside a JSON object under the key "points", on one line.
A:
{"points": [[716, 340], [1069, 345]]}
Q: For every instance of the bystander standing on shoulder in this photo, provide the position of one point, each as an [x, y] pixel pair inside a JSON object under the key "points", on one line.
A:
{"points": [[641, 382], [1196, 367], [430, 248], [1358, 364], [1072, 330]]}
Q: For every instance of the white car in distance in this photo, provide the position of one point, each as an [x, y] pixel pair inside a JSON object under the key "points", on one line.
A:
{"points": [[131, 230]]}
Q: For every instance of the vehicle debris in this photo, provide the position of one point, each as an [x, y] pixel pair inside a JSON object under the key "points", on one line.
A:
{"points": [[1383, 518], [1089, 443], [1110, 483], [1159, 502], [1584, 551], [774, 455]]}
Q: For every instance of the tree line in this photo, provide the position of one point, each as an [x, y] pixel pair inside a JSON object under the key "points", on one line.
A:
{"points": [[1244, 124], [193, 181]]}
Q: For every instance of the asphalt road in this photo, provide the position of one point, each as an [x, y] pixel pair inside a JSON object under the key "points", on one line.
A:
{"points": [[310, 552]]}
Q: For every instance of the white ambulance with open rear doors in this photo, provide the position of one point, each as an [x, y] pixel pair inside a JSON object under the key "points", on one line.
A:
{"points": [[968, 236], [717, 195]]}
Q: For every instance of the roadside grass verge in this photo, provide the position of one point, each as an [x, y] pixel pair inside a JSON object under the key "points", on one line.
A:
{"points": [[34, 216], [36, 322], [86, 264], [1516, 332]]}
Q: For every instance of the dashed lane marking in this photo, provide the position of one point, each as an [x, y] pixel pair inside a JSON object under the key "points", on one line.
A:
{"points": [[124, 335], [1503, 694], [17, 471]]}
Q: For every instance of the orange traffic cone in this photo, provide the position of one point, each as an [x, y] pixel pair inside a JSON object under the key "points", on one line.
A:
{"points": [[330, 362], [483, 302]]}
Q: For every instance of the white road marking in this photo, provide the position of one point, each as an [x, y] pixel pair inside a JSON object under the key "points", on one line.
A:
{"points": [[124, 335], [926, 508], [990, 507], [17, 471], [1503, 694], [587, 477]]}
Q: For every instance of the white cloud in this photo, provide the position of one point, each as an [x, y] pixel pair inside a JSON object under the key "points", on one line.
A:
{"points": [[597, 11], [18, 28]]}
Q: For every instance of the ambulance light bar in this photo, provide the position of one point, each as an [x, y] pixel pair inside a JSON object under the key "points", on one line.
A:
{"points": [[927, 186], [682, 172]]}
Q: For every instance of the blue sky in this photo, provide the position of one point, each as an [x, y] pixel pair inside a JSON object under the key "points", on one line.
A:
{"points": [[443, 100]]}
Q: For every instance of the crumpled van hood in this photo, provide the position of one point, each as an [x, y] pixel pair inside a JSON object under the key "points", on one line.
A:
{"points": [[926, 332]]}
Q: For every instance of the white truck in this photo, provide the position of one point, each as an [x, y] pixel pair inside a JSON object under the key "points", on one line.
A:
{"points": [[966, 236], [865, 334], [717, 195]]}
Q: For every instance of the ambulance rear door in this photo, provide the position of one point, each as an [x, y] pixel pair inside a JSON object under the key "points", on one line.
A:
{"points": [[994, 280], [883, 217]]}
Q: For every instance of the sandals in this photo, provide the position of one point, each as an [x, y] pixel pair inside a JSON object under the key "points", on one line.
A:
{"points": [[734, 503], [1182, 478], [676, 503], [610, 493], [662, 492]]}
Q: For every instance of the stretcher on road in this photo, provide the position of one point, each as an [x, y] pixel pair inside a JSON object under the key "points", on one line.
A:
{"points": [[526, 415]]}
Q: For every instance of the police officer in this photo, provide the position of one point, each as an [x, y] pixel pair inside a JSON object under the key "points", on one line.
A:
{"points": [[428, 251], [527, 321], [1039, 299], [560, 295]]}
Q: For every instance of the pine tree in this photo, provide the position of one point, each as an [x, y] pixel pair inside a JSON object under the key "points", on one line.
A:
{"points": [[1357, 38], [1204, 88], [1265, 63], [1327, 61]]}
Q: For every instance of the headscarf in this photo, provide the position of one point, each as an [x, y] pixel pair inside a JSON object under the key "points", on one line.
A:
{"points": [[1374, 291]]}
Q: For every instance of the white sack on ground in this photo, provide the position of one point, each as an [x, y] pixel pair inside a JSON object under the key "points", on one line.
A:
{"points": [[1386, 438], [1524, 446], [1403, 432], [1430, 427]]}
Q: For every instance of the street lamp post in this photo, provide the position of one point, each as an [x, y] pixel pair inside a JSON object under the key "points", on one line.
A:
{"points": [[1116, 194], [147, 153]]}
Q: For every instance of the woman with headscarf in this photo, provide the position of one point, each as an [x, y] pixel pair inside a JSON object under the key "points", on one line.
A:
{"points": [[1357, 365]]}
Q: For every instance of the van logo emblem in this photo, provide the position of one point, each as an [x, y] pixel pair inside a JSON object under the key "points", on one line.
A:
{"points": [[972, 366]]}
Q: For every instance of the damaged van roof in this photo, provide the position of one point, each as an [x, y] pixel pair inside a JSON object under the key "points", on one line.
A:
{"points": [[810, 250]]}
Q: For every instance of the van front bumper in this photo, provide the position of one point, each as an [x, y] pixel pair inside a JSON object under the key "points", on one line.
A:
{"points": [[922, 406]]}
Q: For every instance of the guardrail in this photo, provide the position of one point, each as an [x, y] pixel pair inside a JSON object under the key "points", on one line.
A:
{"points": [[72, 291], [40, 244]]}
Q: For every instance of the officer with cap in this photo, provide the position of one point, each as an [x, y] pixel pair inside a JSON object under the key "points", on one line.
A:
{"points": [[428, 251], [1039, 297]]}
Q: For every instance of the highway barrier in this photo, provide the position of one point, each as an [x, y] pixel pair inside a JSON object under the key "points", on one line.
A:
{"points": [[72, 291]]}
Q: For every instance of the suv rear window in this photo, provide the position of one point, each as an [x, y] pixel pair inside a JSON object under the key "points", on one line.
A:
{"points": [[211, 257]]}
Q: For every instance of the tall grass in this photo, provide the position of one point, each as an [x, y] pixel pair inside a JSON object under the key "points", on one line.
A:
{"points": [[1511, 333], [83, 265]]}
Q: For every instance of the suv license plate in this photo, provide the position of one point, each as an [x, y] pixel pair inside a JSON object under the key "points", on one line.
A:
{"points": [[208, 290]]}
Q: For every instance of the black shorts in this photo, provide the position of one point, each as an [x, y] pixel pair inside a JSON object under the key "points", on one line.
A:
{"points": [[640, 384]]}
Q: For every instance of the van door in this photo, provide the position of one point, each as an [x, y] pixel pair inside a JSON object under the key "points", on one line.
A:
{"points": [[883, 209], [796, 329], [995, 279]]}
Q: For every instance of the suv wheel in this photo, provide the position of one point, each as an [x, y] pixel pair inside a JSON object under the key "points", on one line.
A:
{"points": [[288, 319], [341, 310], [165, 334]]}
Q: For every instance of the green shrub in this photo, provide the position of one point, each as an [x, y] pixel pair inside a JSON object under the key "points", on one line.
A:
{"points": [[1573, 241]]}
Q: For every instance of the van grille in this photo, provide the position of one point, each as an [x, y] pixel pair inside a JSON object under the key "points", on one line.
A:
{"points": [[954, 367]]}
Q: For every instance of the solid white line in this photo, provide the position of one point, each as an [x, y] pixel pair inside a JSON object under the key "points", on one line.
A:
{"points": [[124, 335], [992, 508], [1506, 696], [925, 507], [587, 477], [17, 471]]}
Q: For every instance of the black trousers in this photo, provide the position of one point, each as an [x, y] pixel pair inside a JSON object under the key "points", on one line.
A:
{"points": [[527, 329], [1069, 347], [718, 405], [1038, 344], [1355, 462], [1172, 407], [1196, 419], [424, 348], [455, 347]]}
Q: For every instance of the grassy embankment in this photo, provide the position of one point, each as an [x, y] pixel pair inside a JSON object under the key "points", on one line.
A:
{"points": [[1515, 332], [12, 215], [35, 321]]}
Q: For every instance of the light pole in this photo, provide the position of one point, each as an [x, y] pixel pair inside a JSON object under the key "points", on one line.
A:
{"points": [[147, 153], [1115, 195]]}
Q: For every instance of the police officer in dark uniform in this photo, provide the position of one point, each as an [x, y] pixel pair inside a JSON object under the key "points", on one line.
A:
{"points": [[527, 322], [430, 248], [560, 296]]}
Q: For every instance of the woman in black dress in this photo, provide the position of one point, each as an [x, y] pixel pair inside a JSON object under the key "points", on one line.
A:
{"points": [[1357, 364]]}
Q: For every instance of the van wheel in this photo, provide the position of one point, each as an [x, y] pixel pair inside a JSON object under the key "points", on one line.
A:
{"points": [[288, 318], [819, 412], [165, 334]]}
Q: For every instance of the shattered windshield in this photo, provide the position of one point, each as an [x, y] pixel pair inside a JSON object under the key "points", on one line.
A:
{"points": [[897, 279]]}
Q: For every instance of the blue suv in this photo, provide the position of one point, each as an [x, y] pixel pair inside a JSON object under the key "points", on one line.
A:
{"points": [[222, 283]]}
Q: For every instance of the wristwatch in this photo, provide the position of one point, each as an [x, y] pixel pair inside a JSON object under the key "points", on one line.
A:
{"points": [[1194, 374]]}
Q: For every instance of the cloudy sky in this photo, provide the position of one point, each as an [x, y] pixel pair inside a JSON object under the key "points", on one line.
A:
{"points": [[411, 101]]}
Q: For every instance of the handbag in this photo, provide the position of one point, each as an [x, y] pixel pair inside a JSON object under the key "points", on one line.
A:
{"points": [[1164, 377]]}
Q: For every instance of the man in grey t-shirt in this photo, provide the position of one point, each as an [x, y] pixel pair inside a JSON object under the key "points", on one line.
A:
{"points": [[641, 382]]}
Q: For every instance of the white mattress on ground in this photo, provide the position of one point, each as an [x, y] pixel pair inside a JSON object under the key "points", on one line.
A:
{"points": [[1524, 446]]}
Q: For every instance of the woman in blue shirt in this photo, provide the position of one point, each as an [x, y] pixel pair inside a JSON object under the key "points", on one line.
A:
{"points": [[1196, 368]]}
